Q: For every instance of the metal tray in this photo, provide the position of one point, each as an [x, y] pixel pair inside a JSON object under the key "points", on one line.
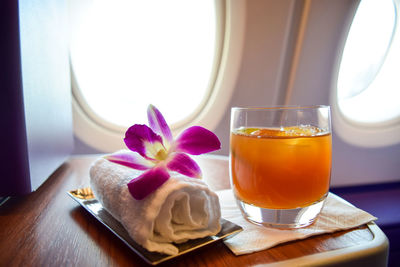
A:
{"points": [[87, 200]]}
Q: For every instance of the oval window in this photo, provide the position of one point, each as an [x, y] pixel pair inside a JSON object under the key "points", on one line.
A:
{"points": [[127, 54], [368, 82]]}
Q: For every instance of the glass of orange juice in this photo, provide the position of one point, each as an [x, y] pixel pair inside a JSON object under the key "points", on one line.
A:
{"points": [[280, 163]]}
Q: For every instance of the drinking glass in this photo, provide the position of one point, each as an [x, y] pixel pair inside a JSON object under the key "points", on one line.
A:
{"points": [[280, 163]]}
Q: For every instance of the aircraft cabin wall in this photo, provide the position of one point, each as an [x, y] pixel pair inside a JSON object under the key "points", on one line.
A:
{"points": [[290, 55]]}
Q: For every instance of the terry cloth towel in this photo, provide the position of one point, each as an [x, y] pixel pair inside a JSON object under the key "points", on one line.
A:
{"points": [[336, 215], [182, 208]]}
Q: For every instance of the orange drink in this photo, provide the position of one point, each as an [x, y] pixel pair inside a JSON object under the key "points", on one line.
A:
{"points": [[280, 168], [280, 163]]}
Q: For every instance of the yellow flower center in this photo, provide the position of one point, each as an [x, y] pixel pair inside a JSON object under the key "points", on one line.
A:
{"points": [[161, 155]]}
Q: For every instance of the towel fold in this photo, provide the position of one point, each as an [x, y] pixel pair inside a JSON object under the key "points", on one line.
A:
{"points": [[182, 208]]}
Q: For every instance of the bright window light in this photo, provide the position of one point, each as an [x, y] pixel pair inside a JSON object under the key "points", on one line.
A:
{"points": [[126, 54], [368, 88]]}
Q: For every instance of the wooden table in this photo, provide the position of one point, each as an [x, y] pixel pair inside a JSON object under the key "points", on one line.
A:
{"points": [[48, 228]]}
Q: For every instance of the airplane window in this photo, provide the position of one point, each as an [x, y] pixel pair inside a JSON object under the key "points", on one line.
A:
{"points": [[182, 56], [368, 83], [127, 54]]}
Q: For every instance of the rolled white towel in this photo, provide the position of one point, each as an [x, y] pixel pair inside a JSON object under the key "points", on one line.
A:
{"points": [[182, 208]]}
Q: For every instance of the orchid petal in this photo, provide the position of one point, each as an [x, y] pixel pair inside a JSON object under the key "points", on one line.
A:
{"points": [[148, 182], [197, 140], [141, 139], [158, 123], [130, 159], [183, 164]]}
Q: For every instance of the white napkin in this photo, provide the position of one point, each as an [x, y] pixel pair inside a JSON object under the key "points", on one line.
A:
{"points": [[336, 215], [182, 208]]}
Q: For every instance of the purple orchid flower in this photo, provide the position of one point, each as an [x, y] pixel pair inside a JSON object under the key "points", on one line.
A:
{"points": [[156, 152]]}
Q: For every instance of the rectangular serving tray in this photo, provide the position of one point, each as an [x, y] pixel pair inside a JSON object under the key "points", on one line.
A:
{"points": [[94, 207]]}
